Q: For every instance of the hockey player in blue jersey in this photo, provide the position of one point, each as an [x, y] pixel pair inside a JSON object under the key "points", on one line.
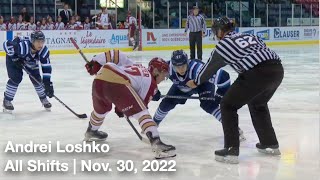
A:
{"points": [[28, 52], [181, 71]]}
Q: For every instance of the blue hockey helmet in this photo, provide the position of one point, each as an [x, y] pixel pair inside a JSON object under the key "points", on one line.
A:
{"points": [[179, 58], [37, 35]]}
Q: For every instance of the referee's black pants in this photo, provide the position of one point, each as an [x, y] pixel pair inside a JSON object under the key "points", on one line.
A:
{"points": [[254, 88], [195, 38]]}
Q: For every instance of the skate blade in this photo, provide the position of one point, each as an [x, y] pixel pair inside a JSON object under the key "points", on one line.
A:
{"points": [[48, 109], [274, 152], [227, 159], [7, 111], [93, 139], [164, 155]]}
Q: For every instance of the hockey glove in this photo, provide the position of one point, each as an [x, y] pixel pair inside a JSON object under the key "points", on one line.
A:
{"points": [[218, 97], [48, 89], [118, 112], [93, 67], [19, 63], [157, 96]]}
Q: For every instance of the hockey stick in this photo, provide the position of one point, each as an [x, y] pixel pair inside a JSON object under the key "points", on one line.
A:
{"points": [[82, 116], [186, 97], [79, 50], [137, 133]]}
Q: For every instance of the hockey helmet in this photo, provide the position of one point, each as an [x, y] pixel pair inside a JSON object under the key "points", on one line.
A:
{"points": [[179, 58], [158, 63], [37, 35], [222, 23]]}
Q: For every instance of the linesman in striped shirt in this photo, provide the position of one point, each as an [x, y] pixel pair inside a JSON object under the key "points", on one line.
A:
{"points": [[260, 74], [197, 26]]}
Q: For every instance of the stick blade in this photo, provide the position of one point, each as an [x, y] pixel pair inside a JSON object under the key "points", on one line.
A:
{"points": [[82, 116]]}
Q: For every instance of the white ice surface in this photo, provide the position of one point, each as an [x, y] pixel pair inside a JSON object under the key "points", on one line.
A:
{"points": [[294, 110]]}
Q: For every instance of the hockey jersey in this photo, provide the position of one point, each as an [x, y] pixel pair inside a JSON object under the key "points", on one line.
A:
{"points": [[59, 26], [114, 56], [12, 26], [138, 77], [104, 20], [3, 27], [194, 67], [20, 48]]}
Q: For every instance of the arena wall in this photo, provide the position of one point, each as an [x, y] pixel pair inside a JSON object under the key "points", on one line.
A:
{"points": [[159, 39]]}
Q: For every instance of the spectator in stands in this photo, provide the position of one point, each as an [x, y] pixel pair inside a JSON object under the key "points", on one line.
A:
{"points": [[78, 21], [72, 24], [86, 24], [121, 25], [31, 24], [12, 24], [3, 26], [20, 24], [65, 14], [50, 24], [25, 15], [105, 19], [38, 26], [59, 24], [43, 25], [113, 22]]}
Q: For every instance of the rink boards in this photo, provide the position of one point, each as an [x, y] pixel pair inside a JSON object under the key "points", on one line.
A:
{"points": [[159, 39]]}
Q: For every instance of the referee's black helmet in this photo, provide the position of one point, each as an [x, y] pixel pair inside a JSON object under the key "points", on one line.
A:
{"points": [[224, 24]]}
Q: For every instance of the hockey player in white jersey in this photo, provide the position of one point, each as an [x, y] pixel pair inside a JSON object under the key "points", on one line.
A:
{"points": [[130, 89]]}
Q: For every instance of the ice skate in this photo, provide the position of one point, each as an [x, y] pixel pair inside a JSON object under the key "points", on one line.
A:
{"points": [[271, 149], [7, 106], [160, 149], [227, 155], [96, 135], [46, 104]]}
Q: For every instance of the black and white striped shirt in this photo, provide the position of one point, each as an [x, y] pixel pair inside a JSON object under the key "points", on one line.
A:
{"points": [[196, 23], [241, 51]]}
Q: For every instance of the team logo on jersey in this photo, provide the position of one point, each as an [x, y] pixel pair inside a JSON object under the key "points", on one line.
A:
{"points": [[264, 35], [249, 31], [285, 34]]}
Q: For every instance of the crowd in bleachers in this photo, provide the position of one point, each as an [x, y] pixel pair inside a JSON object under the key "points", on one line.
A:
{"points": [[65, 21]]}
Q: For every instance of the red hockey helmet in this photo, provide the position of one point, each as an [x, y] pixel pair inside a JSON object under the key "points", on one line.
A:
{"points": [[158, 63]]}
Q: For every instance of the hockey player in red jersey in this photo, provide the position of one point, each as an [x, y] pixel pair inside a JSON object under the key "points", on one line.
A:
{"points": [[113, 55], [131, 22], [130, 89]]}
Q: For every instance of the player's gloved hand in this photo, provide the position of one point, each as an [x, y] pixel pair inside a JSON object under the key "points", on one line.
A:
{"points": [[157, 96], [218, 97], [48, 89], [93, 67], [118, 112], [19, 63]]}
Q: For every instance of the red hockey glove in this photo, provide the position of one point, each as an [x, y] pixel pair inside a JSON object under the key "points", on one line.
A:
{"points": [[93, 67], [118, 112]]}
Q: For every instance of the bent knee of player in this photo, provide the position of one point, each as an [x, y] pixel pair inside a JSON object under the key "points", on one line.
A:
{"points": [[227, 105], [168, 104], [16, 80]]}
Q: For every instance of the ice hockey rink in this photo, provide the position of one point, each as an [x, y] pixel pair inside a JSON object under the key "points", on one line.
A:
{"points": [[294, 110]]}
